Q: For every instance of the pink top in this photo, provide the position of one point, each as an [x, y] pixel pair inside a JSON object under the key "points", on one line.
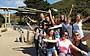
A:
{"points": [[64, 47]]}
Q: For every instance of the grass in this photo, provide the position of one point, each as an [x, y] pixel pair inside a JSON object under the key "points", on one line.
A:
{"points": [[86, 26], [88, 43]]}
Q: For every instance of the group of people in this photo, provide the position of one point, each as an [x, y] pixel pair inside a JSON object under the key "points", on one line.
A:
{"points": [[60, 37]]}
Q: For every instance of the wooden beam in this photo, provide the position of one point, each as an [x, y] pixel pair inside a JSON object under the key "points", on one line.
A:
{"points": [[24, 9]]}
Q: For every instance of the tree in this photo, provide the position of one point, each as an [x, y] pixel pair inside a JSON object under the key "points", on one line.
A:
{"points": [[37, 4], [80, 6], [2, 20]]}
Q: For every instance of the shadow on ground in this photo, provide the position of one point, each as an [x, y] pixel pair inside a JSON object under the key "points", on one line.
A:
{"points": [[27, 50]]}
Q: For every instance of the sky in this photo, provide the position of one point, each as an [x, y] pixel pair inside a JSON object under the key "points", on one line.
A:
{"points": [[53, 1], [18, 3], [11, 3]]}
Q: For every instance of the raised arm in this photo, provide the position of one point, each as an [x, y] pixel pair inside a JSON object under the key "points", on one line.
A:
{"points": [[83, 20], [52, 41], [74, 47], [26, 20], [51, 18], [70, 10]]}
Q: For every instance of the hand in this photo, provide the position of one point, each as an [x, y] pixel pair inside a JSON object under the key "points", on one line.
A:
{"points": [[45, 40], [41, 34], [49, 11], [83, 52], [72, 5], [45, 34]]}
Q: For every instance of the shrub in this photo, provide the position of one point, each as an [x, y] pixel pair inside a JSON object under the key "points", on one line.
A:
{"points": [[86, 26], [4, 30]]}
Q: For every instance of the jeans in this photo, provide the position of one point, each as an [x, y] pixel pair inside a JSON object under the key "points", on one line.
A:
{"points": [[88, 53], [51, 51]]}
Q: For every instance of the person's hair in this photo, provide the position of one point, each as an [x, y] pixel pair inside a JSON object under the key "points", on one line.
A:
{"points": [[78, 15], [40, 24], [68, 18], [41, 14], [75, 32], [61, 18], [36, 29], [47, 16], [63, 32], [49, 31]]}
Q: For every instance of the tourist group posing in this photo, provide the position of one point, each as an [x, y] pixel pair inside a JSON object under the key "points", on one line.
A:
{"points": [[59, 37]]}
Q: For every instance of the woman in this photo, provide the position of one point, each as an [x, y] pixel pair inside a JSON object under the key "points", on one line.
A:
{"points": [[64, 45], [51, 45], [66, 26], [77, 26], [78, 43]]}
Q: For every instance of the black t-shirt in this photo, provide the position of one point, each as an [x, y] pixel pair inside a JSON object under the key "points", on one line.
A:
{"points": [[50, 45], [83, 47]]}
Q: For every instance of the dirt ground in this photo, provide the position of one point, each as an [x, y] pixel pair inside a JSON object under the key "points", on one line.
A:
{"points": [[8, 46]]}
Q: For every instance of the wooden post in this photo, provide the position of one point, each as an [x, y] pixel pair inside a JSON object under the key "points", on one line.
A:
{"points": [[9, 16], [27, 35], [5, 18], [22, 37], [9, 19]]}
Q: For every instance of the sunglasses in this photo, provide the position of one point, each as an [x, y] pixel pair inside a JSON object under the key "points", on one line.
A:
{"points": [[76, 35], [65, 35]]}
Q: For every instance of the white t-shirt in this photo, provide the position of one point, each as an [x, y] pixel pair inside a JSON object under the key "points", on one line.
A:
{"points": [[78, 27]]}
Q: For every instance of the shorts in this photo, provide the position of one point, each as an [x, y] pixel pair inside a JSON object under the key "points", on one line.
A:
{"points": [[50, 51]]}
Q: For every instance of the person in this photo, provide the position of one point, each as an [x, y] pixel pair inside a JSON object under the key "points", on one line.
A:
{"points": [[66, 26], [22, 37], [36, 35], [78, 43], [62, 19], [57, 33], [51, 50], [57, 21], [39, 44], [43, 20], [48, 19], [42, 16], [65, 45], [51, 18], [77, 26]]}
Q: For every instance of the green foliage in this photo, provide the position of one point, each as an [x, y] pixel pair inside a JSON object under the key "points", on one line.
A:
{"points": [[80, 6], [86, 26], [21, 22], [37, 4], [64, 7], [2, 20]]}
